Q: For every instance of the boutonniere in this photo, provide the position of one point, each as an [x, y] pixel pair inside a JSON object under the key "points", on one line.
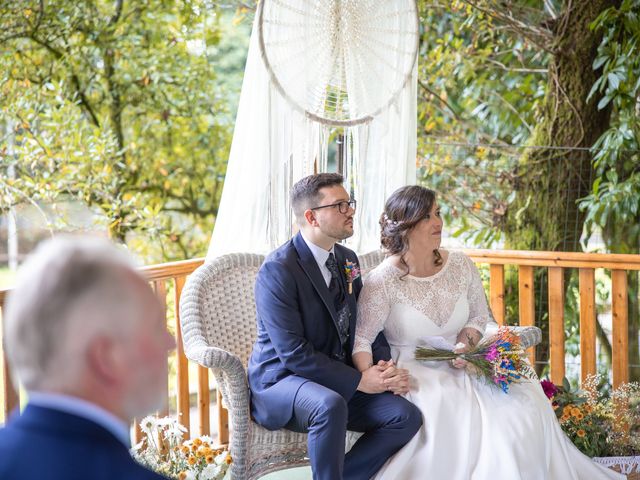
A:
{"points": [[351, 272]]}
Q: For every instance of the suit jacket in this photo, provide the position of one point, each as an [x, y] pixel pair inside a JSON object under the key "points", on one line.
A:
{"points": [[44, 443], [297, 329]]}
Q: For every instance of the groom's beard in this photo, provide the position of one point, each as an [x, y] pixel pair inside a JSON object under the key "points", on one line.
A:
{"points": [[339, 232]]}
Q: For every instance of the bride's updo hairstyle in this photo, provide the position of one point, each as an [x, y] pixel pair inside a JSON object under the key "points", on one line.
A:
{"points": [[404, 209]]}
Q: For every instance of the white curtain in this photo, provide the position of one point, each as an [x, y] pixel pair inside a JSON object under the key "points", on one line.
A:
{"points": [[274, 145]]}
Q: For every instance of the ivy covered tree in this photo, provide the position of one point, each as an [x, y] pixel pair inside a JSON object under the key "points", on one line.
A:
{"points": [[534, 83]]}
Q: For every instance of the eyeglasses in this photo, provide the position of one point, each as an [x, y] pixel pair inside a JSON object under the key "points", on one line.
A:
{"points": [[343, 207]]}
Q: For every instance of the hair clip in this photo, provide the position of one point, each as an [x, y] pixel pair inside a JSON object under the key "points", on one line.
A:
{"points": [[389, 221]]}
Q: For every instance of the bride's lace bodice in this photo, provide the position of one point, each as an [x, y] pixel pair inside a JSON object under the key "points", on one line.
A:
{"points": [[410, 308]]}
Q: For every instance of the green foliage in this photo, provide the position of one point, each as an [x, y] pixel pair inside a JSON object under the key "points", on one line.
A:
{"points": [[117, 105], [478, 84], [615, 196]]}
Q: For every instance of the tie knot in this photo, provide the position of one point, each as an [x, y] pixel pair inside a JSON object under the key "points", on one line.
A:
{"points": [[332, 265]]}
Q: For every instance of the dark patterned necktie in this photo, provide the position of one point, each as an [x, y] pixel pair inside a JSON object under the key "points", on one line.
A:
{"points": [[339, 299]]}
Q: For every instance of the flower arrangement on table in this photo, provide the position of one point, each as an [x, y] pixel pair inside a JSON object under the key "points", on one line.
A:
{"points": [[599, 424], [498, 359], [163, 450]]}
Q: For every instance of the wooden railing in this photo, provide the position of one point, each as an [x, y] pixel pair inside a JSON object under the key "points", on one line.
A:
{"points": [[168, 280]]}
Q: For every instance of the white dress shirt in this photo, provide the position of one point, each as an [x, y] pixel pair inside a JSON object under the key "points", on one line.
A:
{"points": [[321, 255]]}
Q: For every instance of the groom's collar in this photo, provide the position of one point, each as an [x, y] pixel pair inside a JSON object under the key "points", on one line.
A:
{"points": [[319, 253]]}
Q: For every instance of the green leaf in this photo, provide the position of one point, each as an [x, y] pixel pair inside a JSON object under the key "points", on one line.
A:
{"points": [[614, 80], [604, 101]]}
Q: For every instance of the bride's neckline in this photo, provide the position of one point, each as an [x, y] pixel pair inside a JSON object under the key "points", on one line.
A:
{"points": [[421, 279]]}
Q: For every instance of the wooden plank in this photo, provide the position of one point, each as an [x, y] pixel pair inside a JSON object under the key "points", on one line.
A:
{"points": [[172, 270], [182, 365], [137, 432], [556, 324], [587, 323], [526, 303], [223, 420], [203, 399], [496, 292], [620, 338], [556, 259], [11, 399], [160, 289]]}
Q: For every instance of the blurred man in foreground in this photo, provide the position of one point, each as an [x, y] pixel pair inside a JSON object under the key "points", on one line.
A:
{"points": [[86, 338]]}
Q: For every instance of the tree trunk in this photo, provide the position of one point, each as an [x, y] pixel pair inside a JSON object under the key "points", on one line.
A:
{"points": [[552, 177]]}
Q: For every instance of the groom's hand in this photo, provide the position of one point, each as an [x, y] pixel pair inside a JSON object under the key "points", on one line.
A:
{"points": [[384, 377], [396, 379], [372, 381]]}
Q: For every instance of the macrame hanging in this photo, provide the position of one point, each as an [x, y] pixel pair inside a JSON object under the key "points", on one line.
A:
{"points": [[313, 66]]}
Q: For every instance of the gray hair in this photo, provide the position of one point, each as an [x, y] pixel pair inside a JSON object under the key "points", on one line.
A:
{"points": [[69, 290]]}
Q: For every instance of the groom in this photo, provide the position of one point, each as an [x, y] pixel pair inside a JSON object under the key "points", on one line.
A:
{"points": [[300, 372]]}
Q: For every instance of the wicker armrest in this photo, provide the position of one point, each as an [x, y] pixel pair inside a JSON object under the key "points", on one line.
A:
{"points": [[529, 336], [229, 373]]}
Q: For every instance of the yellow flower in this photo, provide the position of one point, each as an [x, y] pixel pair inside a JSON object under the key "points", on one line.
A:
{"points": [[182, 476], [581, 433], [575, 412], [185, 450], [191, 460], [580, 416], [197, 442], [565, 416], [228, 460], [210, 458]]}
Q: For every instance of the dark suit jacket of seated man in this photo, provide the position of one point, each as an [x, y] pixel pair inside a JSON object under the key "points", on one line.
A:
{"points": [[300, 371]]}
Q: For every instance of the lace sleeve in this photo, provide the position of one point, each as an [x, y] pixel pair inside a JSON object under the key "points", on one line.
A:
{"points": [[479, 313], [373, 309]]}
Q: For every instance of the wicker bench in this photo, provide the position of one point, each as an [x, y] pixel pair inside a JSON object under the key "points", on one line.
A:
{"points": [[217, 315]]}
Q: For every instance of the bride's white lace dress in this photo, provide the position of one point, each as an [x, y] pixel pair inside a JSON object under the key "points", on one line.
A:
{"points": [[471, 431]]}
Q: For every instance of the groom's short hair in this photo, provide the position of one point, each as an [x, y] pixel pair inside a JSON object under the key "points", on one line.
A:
{"points": [[306, 194]]}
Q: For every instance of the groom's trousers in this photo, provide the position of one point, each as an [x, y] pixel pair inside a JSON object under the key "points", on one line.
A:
{"points": [[388, 422]]}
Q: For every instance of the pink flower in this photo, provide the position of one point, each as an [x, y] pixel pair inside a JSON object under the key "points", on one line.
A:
{"points": [[492, 354], [549, 388]]}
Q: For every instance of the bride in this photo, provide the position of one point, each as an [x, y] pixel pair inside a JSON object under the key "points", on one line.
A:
{"points": [[471, 430]]}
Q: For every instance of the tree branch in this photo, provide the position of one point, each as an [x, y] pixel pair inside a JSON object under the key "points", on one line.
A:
{"points": [[74, 78], [537, 34]]}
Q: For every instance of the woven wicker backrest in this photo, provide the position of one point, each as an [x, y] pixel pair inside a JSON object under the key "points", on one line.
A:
{"points": [[219, 295], [224, 298], [370, 260]]}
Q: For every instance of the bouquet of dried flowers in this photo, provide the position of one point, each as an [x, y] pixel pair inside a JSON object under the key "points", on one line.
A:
{"points": [[163, 450], [600, 424], [498, 359]]}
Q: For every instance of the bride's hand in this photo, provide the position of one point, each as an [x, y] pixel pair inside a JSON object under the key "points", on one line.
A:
{"points": [[460, 362]]}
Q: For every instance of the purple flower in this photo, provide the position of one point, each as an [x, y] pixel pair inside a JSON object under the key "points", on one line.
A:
{"points": [[549, 388], [492, 354]]}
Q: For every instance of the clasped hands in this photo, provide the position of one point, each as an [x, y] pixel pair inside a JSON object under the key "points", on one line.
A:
{"points": [[384, 377]]}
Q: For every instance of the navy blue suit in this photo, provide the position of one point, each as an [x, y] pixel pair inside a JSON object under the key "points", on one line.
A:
{"points": [[43, 443], [301, 378]]}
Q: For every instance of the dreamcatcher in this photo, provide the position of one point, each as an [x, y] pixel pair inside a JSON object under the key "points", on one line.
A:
{"points": [[315, 66]]}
